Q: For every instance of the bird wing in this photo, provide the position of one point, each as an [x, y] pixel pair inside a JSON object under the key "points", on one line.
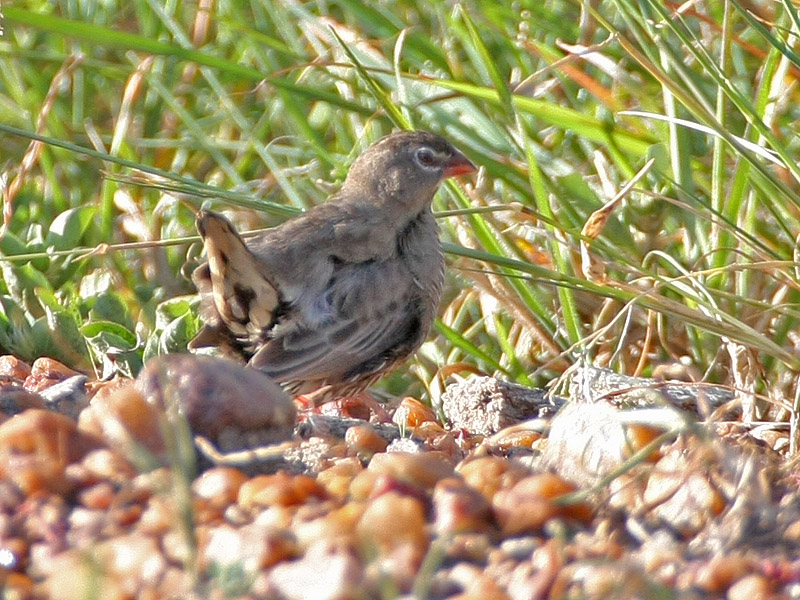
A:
{"points": [[242, 294], [375, 319]]}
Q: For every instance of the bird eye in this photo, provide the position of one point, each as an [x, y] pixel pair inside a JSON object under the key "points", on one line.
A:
{"points": [[425, 157]]}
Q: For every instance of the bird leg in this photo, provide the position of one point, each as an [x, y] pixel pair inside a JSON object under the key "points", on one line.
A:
{"points": [[348, 403]]}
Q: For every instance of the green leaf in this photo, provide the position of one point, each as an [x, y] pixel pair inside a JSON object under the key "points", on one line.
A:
{"points": [[47, 299], [95, 283], [114, 347], [109, 335], [559, 116], [175, 308], [375, 88], [108, 37], [109, 306], [151, 348], [177, 335], [470, 349], [10, 244], [16, 335], [57, 335], [488, 62], [22, 280], [68, 228]]}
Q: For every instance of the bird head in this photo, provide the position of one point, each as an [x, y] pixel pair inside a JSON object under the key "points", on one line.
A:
{"points": [[404, 170]]}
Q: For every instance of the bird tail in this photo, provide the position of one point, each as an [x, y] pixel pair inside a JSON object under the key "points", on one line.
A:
{"points": [[239, 299]]}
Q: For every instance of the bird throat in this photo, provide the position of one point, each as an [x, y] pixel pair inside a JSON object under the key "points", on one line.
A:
{"points": [[405, 238]]}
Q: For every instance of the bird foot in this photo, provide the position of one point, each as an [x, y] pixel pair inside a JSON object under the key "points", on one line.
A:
{"points": [[356, 406]]}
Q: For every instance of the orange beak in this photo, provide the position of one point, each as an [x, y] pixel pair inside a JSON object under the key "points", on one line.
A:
{"points": [[458, 165]]}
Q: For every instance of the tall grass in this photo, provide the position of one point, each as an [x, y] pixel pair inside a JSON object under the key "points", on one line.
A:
{"points": [[148, 109]]}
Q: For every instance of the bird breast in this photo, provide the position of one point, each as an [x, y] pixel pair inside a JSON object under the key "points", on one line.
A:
{"points": [[421, 249]]}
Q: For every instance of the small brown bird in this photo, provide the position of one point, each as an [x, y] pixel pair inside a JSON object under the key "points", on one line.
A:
{"points": [[331, 300]]}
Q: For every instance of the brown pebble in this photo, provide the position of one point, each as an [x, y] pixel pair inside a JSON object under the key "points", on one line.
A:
{"points": [[16, 585], [533, 501], [16, 399], [175, 583], [390, 521], [614, 580], [126, 421], [510, 438], [476, 583], [719, 573], [750, 587], [36, 447], [219, 486], [131, 558], [321, 573], [46, 372], [159, 515], [14, 368], [490, 474], [459, 508], [214, 492], [97, 497], [363, 441], [422, 470], [638, 436], [108, 387], [177, 548], [362, 485], [681, 493], [280, 489], [231, 405], [336, 527], [104, 463], [15, 553], [412, 413], [437, 438], [251, 548], [338, 478], [127, 514]]}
